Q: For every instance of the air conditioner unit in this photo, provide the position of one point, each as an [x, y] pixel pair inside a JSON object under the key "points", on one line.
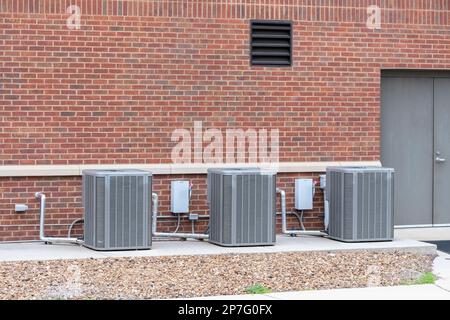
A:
{"points": [[242, 207], [117, 209], [212, 170], [361, 203]]}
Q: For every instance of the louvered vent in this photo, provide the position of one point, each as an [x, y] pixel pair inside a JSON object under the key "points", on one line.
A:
{"points": [[271, 43]]}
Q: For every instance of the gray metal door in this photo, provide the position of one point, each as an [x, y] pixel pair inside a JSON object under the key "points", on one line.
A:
{"points": [[415, 140], [407, 146], [442, 151]]}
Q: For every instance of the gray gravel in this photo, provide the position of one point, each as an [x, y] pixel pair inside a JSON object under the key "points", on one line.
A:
{"points": [[206, 275]]}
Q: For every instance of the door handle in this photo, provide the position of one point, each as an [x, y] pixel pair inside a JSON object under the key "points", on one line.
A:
{"points": [[440, 160]]}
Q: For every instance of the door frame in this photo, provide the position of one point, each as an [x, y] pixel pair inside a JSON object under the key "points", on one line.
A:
{"points": [[416, 73], [413, 73]]}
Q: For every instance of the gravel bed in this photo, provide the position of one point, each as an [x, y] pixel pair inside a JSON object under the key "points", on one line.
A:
{"points": [[205, 275]]}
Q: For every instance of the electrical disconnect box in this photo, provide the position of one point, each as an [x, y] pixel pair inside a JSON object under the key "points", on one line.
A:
{"points": [[304, 193], [180, 194]]}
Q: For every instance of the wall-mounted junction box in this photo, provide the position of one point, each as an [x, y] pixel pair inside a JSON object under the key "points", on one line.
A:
{"points": [[20, 208], [179, 196], [193, 216], [304, 193]]}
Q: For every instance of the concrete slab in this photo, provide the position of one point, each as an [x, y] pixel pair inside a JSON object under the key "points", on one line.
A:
{"points": [[441, 268], [442, 233], [236, 297], [416, 292], [40, 251]]}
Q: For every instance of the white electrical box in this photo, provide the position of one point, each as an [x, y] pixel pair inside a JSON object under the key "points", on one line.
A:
{"points": [[304, 194], [179, 196], [21, 207]]}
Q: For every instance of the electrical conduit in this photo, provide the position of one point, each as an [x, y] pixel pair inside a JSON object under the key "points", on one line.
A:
{"points": [[284, 228], [169, 234], [42, 237]]}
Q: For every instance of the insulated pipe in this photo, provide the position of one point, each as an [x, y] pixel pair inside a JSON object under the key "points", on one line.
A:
{"points": [[154, 211], [42, 237], [323, 186], [284, 220], [326, 219], [169, 234], [283, 210]]}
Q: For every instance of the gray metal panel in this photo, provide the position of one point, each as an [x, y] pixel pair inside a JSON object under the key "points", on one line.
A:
{"points": [[395, 73], [212, 170], [361, 204], [242, 207], [407, 145], [360, 169], [117, 209], [442, 145]]}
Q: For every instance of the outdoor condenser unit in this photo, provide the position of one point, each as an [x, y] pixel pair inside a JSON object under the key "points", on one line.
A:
{"points": [[212, 170], [242, 206], [117, 209], [361, 203]]}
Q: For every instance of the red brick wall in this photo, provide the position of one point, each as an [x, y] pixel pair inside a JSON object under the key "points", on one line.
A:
{"points": [[63, 204], [113, 91]]}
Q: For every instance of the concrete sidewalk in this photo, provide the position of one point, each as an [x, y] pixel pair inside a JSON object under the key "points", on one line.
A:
{"points": [[406, 241], [423, 234], [40, 251], [416, 292]]}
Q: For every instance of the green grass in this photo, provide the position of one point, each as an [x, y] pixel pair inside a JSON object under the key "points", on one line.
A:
{"points": [[425, 278], [257, 289]]}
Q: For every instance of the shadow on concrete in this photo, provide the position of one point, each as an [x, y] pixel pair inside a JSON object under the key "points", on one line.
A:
{"points": [[443, 245]]}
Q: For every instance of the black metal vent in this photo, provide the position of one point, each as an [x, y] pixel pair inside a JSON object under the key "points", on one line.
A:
{"points": [[271, 43]]}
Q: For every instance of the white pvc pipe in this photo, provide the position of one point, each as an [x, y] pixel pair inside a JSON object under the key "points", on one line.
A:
{"points": [[169, 234], [284, 228], [283, 210], [326, 218], [42, 237]]}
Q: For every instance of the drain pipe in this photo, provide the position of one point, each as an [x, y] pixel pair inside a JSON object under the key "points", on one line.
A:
{"points": [[169, 234], [42, 237], [284, 229]]}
